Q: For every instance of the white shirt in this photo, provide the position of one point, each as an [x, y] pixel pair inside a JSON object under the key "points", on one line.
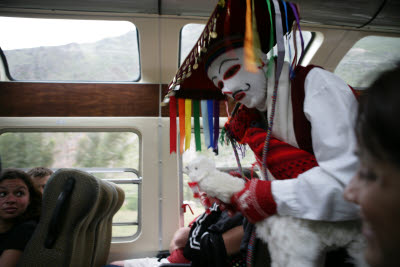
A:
{"points": [[317, 194]]}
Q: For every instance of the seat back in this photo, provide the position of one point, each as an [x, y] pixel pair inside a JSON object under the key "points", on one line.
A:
{"points": [[104, 229], [75, 205], [88, 235]]}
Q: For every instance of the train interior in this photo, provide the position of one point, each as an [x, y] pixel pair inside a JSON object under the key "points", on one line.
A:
{"points": [[94, 103]]}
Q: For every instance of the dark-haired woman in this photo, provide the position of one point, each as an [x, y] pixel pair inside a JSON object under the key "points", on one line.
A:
{"points": [[376, 187], [20, 205]]}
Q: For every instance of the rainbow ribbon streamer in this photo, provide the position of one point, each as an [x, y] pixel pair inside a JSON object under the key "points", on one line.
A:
{"points": [[188, 123], [172, 125], [210, 110], [206, 127], [181, 107], [196, 119], [216, 125]]}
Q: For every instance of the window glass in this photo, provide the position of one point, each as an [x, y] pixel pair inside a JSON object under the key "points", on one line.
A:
{"points": [[70, 149], [225, 159], [113, 156], [123, 226], [289, 55], [190, 33], [367, 59], [70, 50]]}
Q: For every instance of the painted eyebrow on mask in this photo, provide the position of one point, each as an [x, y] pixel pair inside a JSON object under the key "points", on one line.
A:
{"points": [[224, 61]]}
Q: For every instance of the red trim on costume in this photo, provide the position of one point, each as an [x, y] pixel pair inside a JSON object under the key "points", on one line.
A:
{"points": [[356, 93], [195, 188], [184, 208], [255, 201], [284, 161], [177, 257]]}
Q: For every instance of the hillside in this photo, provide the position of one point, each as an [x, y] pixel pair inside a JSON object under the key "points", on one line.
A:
{"points": [[110, 59]]}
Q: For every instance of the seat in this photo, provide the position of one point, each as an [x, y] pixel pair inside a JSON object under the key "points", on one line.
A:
{"points": [[104, 231], [76, 209], [91, 230]]}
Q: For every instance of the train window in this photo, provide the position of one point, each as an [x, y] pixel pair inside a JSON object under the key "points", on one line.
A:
{"points": [[307, 39], [69, 50], [225, 159], [113, 156], [191, 32], [367, 58], [189, 35]]}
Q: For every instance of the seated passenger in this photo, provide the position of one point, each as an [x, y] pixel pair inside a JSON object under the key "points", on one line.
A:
{"points": [[376, 186], [213, 239], [20, 205], [40, 176]]}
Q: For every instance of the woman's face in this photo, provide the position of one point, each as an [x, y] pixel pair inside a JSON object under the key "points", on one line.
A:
{"points": [[14, 198], [228, 73], [376, 188]]}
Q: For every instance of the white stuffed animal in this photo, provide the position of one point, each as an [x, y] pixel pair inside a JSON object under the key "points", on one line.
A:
{"points": [[292, 242], [209, 179]]}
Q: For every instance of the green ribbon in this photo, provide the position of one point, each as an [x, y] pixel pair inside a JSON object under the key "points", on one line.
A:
{"points": [[196, 117], [271, 34], [271, 62]]}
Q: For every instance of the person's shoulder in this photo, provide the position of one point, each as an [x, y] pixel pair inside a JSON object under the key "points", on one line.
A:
{"points": [[27, 224], [19, 235], [319, 79], [320, 73], [26, 227]]}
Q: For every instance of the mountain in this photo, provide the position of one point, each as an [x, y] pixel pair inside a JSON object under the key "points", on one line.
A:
{"points": [[110, 59]]}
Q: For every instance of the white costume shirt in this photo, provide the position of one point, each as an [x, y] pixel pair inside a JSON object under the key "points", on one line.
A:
{"points": [[330, 106]]}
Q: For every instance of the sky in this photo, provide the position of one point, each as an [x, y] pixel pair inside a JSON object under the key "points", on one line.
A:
{"points": [[16, 33]]}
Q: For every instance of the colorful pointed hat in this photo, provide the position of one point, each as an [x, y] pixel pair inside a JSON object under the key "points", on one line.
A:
{"points": [[253, 24], [231, 23]]}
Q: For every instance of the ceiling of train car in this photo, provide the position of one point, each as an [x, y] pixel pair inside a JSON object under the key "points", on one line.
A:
{"points": [[375, 14]]}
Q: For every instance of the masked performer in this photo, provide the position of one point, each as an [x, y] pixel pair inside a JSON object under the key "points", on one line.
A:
{"points": [[297, 120]]}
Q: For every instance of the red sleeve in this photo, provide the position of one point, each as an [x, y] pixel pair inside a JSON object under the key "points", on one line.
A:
{"points": [[284, 161]]}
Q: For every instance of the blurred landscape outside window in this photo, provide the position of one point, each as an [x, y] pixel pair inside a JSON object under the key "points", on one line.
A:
{"points": [[369, 57], [106, 155], [70, 50]]}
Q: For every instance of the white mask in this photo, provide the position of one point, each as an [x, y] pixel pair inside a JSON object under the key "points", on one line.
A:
{"points": [[228, 73]]}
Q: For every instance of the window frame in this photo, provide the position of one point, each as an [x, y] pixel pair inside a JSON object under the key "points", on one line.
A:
{"points": [[308, 48], [138, 172]]}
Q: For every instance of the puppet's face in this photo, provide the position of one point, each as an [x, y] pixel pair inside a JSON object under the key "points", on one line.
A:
{"points": [[199, 168], [228, 73]]}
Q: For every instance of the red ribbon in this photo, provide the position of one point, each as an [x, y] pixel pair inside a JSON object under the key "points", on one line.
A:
{"points": [[184, 208], [172, 124]]}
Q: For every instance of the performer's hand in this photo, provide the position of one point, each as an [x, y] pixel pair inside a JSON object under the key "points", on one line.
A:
{"points": [[255, 201], [226, 207], [244, 119]]}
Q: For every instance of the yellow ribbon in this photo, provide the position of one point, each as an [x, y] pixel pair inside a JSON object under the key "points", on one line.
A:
{"points": [[249, 58]]}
